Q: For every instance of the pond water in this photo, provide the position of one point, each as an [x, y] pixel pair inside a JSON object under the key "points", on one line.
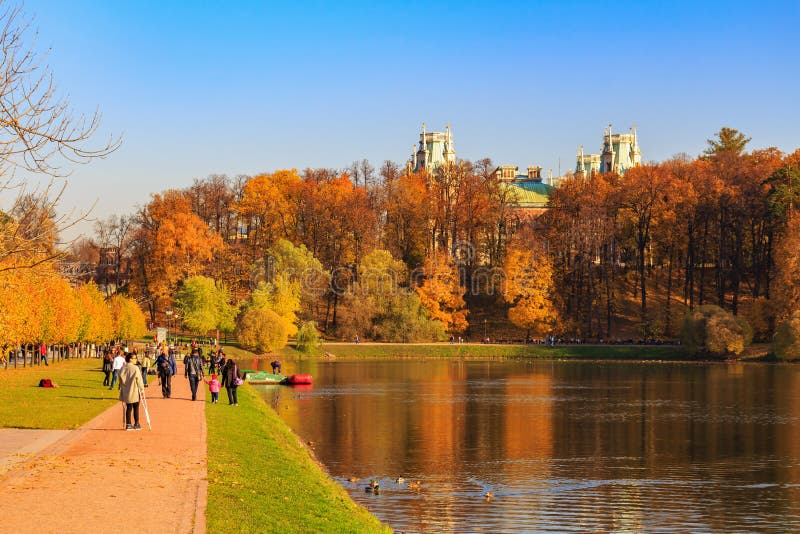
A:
{"points": [[562, 446]]}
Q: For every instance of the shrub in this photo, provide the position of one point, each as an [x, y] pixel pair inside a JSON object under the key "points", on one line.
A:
{"points": [[406, 321], [762, 318], [786, 343], [262, 330], [715, 332], [308, 337]]}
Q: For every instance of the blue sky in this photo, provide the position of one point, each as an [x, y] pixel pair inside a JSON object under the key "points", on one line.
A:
{"points": [[245, 87]]}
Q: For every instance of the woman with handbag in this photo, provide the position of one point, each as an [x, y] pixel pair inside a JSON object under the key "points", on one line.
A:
{"points": [[231, 381]]}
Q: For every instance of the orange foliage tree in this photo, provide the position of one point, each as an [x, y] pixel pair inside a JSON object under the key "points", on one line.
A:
{"points": [[529, 288], [442, 294], [170, 244]]}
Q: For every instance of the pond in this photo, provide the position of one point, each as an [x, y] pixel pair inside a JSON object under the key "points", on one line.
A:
{"points": [[562, 445]]}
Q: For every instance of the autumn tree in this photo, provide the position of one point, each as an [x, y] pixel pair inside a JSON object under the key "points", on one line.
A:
{"points": [[205, 305], [379, 278], [95, 324], [441, 293], [529, 288], [786, 344], [786, 285], [40, 135], [170, 243], [127, 318], [269, 209], [261, 330], [643, 198]]}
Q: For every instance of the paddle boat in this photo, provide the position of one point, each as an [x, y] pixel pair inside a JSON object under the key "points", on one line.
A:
{"points": [[261, 377], [296, 380]]}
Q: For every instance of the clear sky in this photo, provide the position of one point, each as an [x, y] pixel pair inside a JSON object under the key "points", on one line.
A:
{"points": [[245, 87]]}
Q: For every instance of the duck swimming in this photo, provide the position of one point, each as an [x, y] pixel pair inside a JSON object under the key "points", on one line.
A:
{"points": [[400, 480]]}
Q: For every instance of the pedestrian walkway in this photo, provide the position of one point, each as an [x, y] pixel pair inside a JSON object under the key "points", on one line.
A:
{"points": [[101, 478]]}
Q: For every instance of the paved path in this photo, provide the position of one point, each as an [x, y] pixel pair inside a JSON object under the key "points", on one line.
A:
{"points": [[101, 478], [18, 445]]}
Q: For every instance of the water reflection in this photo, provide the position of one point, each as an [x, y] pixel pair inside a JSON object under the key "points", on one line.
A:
{"points": [[561, 445]]}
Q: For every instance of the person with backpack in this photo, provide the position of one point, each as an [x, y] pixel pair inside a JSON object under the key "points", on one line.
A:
{"points": [[194, 371], [164, 366]]}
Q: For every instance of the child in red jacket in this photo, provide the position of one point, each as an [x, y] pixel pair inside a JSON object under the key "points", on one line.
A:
{"points": [[213, 387]]}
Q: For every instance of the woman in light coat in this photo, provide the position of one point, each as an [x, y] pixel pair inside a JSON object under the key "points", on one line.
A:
{"points": [[130, 391]]}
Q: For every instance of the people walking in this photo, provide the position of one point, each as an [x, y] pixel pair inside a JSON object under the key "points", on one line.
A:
{"points": [[276, 367], [194, 371], [116, 366], [164, 367], [146, 364], [213, 388], [131, 389], [230, 380], [43, 353], [107, 367]]}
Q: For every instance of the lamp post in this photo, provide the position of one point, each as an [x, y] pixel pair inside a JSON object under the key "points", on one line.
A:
{"points": [[485, 336], [169, 323]]}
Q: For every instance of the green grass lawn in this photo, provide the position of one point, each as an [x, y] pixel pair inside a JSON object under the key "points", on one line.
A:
{"points": [[79, 397], [446, 350], [262, 479]]}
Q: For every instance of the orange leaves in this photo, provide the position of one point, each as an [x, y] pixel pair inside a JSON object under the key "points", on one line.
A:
{"points": [[269, 204], [171, 243], [442, 294], [529, 287]]}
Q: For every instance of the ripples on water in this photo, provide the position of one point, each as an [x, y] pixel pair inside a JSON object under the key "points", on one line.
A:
{"points": [[568, 447]]}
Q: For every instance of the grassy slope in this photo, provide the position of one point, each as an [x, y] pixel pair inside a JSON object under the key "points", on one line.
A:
{"points": [[261, 479], [446, 350], [79, 397]]}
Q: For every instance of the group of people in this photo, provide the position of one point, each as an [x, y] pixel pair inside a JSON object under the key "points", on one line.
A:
{"points": [[128, 371], [195, 371]]}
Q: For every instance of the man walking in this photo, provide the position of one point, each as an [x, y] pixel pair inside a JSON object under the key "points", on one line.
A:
{"points": [[194, 371], [43, 353], [164, 365], [116, 367]]}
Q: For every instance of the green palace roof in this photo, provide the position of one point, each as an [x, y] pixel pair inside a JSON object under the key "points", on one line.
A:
{"points": [[530, 193]]}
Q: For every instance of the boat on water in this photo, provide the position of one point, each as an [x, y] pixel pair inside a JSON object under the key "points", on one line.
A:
{"points": [[263, 377], [296, 380]]}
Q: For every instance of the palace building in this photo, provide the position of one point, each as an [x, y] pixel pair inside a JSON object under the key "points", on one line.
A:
{"points": [[620, 153], [435, 148]]}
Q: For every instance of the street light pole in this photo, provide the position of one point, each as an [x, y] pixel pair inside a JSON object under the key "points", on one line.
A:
{"points": [[169, 323]]}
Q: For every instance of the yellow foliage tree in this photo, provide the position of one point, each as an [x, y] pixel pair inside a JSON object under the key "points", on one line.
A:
{"points": [[442, 294], [786, 287], [528, 288], [262, 330], [127, 318], [94, 324]]}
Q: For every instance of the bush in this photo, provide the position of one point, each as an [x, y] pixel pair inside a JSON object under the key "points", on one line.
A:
{"points": [[407, 321], [715, 332], [786, 343], [308, 337], [262, 330], [762, 318]]}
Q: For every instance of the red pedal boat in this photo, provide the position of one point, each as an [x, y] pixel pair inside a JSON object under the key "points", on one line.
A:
{"points": [[294, 380]]}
